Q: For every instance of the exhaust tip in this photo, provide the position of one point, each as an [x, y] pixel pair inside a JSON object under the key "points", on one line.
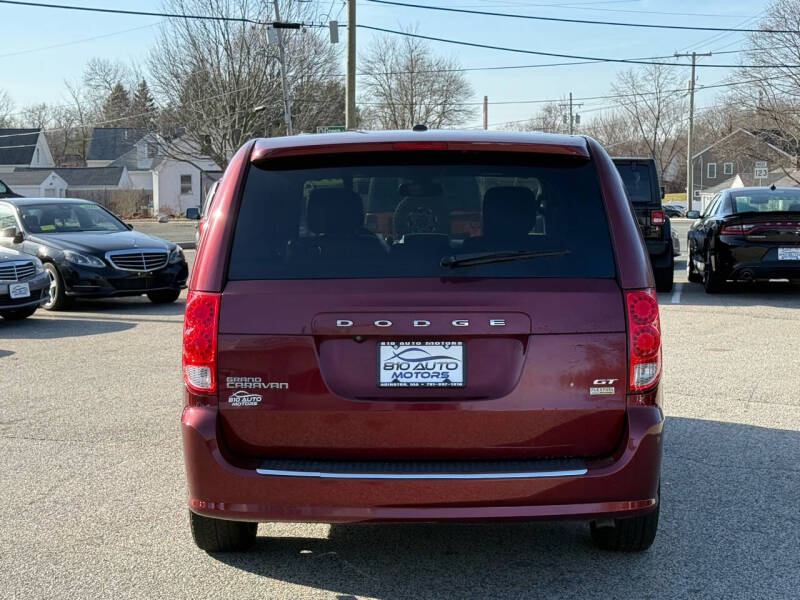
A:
{"points": [[747, 275]]}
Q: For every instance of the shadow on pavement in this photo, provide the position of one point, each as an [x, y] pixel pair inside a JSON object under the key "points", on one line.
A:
{"points": [[48, 329], [139, 306], [729, 528]]}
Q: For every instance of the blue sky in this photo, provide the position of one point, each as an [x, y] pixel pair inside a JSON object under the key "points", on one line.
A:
{"points": [[42, 47]]}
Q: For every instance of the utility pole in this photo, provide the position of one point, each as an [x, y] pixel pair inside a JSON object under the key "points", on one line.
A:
{"points": [[573, 118], [287, 101], [689, 164], [486, 112], [350, 80]]}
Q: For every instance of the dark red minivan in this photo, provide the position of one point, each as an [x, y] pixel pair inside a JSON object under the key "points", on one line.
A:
{"points": [[422, 326]]}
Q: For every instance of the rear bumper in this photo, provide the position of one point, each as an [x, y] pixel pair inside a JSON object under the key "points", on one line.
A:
{"points": [[624, 484], [753, 261]]}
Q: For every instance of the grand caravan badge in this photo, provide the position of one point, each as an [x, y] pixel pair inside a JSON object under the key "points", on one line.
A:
{"points": [[421, 364]]}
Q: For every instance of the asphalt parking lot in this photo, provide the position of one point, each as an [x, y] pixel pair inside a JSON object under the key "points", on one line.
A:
{"points": [[93, 485]]}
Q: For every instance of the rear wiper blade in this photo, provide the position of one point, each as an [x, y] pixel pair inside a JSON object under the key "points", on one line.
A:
{"points": [[482, 258]]}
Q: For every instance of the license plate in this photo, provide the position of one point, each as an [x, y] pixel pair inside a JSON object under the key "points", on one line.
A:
{"points": [[789, 253], [421, 364], [19, 290]]}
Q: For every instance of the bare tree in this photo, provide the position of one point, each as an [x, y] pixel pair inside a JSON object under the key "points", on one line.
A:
{"points": [[6, 109], [211, 75], [550, 118], [406, 84], [771, 96], [654, 111]]}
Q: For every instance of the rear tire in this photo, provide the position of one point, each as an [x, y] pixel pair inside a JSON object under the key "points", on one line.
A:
{"points": [[163, 296], [17, 314], [634, 534], [664, 276], [218, 535], [691, 274], [712, 282]]}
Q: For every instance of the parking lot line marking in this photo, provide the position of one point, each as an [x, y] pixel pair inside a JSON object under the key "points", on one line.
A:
{"points": [[676, 294]]}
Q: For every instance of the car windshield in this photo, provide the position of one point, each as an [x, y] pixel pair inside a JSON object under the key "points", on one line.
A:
{"points": [[400, 215], [766, 201], [68, 218], [637, 182]]}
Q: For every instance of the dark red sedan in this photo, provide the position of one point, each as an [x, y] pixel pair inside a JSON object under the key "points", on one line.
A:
{"points": [[422, 326]]}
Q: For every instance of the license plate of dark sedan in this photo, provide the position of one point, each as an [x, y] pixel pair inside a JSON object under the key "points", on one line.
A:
{"points": [[421, 364], [789, 253], [19, 290]]}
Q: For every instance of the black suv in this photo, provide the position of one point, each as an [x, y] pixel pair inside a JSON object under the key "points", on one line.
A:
{"points": [[641, 182]]}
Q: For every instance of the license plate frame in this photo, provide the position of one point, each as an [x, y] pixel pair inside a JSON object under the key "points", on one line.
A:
{"points": [[19, 290], [789, 253], [427, 364]]}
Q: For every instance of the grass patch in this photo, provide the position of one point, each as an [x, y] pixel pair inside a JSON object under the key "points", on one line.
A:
{"points": [[677, 197]]}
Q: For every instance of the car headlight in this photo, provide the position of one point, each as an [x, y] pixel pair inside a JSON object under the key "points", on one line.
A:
{"points": [[176, 255], [39, 265], [83, 260]]}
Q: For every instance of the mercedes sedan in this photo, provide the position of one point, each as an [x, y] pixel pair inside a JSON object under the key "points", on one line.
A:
{"points": [[88, 252]]}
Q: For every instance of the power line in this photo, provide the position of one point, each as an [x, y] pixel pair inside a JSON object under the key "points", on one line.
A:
{"points": [[558, 55], [579, 21], [142, 13]]}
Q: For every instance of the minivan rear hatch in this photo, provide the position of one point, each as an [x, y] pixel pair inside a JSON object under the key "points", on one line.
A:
{"points": [[478, 316]]}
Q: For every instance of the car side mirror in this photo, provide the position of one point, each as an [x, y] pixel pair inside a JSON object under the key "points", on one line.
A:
{"points": [[692, 214], [12, 232], [193, 214]]}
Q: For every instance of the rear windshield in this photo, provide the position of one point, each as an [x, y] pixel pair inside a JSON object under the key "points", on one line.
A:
{"points": [[637, 182], [766, 201], [402, 214]]}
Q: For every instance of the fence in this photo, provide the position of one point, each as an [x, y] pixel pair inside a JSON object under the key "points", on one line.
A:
{"points": [[123, 203]]}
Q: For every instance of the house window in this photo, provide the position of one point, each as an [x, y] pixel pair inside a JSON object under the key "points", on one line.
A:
{"points": [[712, 170], [727, 169], [152, 149], [186, 184]]}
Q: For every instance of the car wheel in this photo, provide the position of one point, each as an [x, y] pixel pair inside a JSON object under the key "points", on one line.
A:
{"points": [[58, 297], [633, 534], [163, 296], [218, 535], [664, 276], [711, 280], [18, 314], [691, 274]]}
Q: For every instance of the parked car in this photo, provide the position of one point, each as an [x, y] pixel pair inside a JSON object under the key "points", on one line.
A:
{"points": [[88, 252], [23, 284], [640, 177], [745, 234], [674, 209], [6, 192], [430, 369]]}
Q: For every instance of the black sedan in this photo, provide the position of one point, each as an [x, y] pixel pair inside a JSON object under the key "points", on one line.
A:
{"points": [[88, 252], [745, 234]]}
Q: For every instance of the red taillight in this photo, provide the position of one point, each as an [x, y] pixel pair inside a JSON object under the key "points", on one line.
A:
{"points": [[731, 230], [644, 339], [657, 217], [200, 341], [420, 145]]}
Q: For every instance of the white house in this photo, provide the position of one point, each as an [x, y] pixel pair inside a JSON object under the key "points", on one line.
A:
{"points": [[37, 183], [176, 172], [23, 148]]}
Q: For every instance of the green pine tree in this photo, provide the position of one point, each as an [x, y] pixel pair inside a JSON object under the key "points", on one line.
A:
{"points": [[117, 107], [143, 107]]}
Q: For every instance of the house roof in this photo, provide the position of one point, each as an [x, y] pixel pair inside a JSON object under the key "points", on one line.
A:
{"points": [[17, 146], [109, 143], [758, 135], [723, 185], [132, 161], [83, 176], [26, 177]]}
